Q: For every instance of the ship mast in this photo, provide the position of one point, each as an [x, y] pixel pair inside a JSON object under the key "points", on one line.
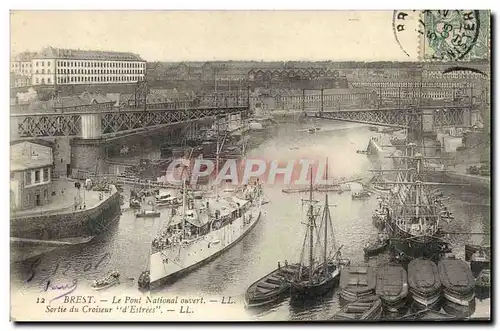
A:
{"points": [[311, 230], [184, 189], [326, 221], [217, 161]]}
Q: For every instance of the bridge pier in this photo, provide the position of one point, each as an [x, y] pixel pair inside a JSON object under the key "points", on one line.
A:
{"points": [[88, 155], [467, 118], [91, 126]]}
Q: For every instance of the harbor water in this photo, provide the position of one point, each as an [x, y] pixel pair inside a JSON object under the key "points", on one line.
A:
{"points": [[277, 237]]}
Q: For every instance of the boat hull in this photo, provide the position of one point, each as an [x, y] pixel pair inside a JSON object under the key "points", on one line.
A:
{"points": [[299, 291], [198, 254], [458, 310], [375, 249], [105, 286], [258, 300], [409, 247]]}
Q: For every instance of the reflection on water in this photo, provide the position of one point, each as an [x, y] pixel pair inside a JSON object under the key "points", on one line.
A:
{"points": [[278, 236]]}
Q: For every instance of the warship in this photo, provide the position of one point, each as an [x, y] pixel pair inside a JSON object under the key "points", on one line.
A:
{"points": [[203, 228]]}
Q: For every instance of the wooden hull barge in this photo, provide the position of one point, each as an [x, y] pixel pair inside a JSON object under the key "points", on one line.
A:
{"points": [[428, 315], [424, 284], [458, 287], [271, 287], [365, 309], [356, 282], [392, 287]]}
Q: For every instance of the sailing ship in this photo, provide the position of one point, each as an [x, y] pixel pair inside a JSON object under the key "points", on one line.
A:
{"points": [[324, 264], [416, 213], [204, 228]]}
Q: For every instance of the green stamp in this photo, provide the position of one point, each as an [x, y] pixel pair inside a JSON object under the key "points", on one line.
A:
{"points": [[456, 35]]}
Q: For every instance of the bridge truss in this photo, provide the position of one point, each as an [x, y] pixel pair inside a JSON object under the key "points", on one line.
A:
{"points": [[395, 117]]}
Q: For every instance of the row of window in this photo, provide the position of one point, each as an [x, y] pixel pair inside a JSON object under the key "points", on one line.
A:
{"points": [[94, 64], [23, 65], [409, 84], [102, 79], [99, 71], [42, 63], [38, 176], [326, 97], [42, 71]]}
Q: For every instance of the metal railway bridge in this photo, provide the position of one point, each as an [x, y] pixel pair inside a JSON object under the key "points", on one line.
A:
{"points": [[432, 116], [112, 123], [87, 130], [90, 124]]}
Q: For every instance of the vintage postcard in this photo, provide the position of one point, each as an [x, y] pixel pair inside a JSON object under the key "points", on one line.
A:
{"points": [[250, 165]]}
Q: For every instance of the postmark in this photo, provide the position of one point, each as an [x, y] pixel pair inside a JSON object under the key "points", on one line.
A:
{"points": [[406, 27], [454, 35]]}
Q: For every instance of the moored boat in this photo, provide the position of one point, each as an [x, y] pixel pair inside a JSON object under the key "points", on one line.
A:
{"points": [[360, 195], [427, 315], [424, 284], [479, 258], [378, 246], [112, 279], [458, 287], [483, 284], [392, 287], [143, 281], [271, 287], [369, 308], [356, 282], [323, 263]]}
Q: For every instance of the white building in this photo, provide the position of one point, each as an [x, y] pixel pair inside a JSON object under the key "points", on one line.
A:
{"points": [[55, 66], [21, 68], [21, 63]]}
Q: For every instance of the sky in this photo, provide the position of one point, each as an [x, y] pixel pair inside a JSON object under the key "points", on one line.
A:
{"points": [[214, 35]]}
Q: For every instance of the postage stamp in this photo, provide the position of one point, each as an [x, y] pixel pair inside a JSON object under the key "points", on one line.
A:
{"points": [[454, 35]]}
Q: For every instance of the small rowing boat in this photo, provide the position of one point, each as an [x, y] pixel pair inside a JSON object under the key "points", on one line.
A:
{"points": [[110, 280], [271, 287]]}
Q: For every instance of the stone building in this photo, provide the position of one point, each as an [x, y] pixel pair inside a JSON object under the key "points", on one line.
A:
{"points": [[31, 166]]}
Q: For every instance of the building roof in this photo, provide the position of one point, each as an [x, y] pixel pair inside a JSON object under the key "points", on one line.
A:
{"points": [[84, 99], [23, 157], [62, 53], [24, 56]]}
